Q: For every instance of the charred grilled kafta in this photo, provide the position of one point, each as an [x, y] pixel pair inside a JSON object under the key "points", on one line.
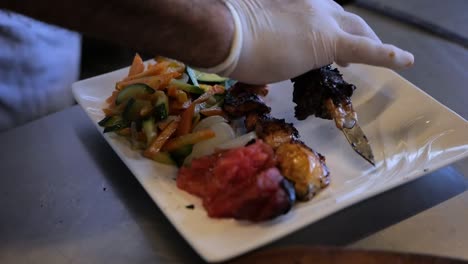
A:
{"points": [[241, 100], [323, 93]]}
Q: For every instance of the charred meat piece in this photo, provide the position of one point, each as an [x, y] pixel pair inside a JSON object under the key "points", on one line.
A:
{"points": [[239, 88], [312, 90], [252, 119], [243, 104], [275, 131], [240, 101], [299, 164], [325, 94], [304, 167]]}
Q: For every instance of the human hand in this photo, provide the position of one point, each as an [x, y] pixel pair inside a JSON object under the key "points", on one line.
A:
{"points": [[280, 39]]}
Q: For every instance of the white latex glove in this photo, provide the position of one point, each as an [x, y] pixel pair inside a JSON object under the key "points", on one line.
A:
{"points": [[277, 40]]}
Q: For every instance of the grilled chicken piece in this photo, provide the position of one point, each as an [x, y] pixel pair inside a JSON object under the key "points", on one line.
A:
{"points": [[304, 167], [315, 90], [275, 131], [297, 163]]}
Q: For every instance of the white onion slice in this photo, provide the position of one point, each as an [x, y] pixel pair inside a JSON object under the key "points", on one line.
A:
{"points": [[238, 141], [184, 78], [223, 133], [208, 122]]}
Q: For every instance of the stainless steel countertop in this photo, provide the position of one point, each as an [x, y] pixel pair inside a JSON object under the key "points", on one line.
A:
{"points": [[67, 198]]}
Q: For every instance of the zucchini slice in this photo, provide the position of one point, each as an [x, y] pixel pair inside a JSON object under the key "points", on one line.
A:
{"points": [[161, 108], [192, 77], [133, 91], [187, 87], [110, 121], [132, 111], [113, 123], [209, 77], [149, 129], [104, 121], [163, 157], [181, 153]]}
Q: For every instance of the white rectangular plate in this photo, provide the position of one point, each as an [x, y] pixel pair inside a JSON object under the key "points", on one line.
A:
{"points": [[410, 132]]}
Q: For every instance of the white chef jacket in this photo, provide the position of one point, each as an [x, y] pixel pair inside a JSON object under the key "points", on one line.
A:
{"points": [[38, 64]]}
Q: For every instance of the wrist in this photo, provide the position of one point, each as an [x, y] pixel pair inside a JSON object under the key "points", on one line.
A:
{"points": [[226, 66]]}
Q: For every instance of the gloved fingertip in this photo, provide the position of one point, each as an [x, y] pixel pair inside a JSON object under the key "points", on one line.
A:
{"points": [[400, 59], [407, 60], [410, 61]]}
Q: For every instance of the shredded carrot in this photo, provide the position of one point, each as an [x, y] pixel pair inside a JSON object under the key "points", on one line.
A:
{"points": [[151, 65], [157, 69], [218, 89], [137, 66], [163, 124], [172, 91], [108, 111], [176, 107], [203, 98], [177, 94], [181, 96], [141, 136], [156, 82], [159, 59], [124, 132], [111, 99], [212, 111], [186, 118], [114, 110], [188, 139], [157, 143], [174, 65]]}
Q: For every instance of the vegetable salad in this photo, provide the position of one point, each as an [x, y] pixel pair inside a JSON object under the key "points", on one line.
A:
{"points": [[171, 112]]}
